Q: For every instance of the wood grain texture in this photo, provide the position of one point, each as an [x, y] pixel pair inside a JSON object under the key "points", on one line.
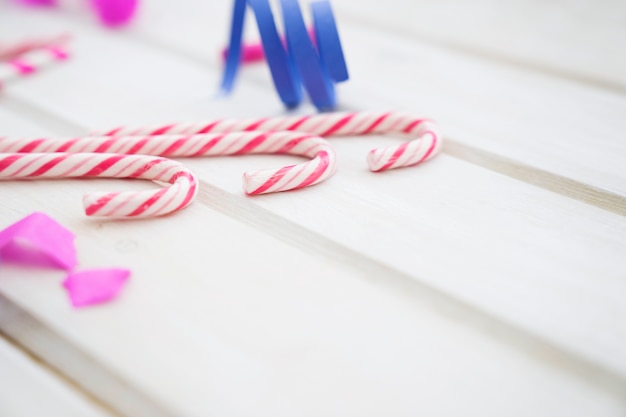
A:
{"points": [[345, 299], [449, 204], [289, 331], [575, 39], [263, 328], [29, 390]]}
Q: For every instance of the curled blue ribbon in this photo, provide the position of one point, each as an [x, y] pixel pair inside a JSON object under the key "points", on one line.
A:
{"points": [[316, 67]]}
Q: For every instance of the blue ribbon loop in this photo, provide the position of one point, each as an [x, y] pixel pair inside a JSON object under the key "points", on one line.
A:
{"points": [[302, 63]]}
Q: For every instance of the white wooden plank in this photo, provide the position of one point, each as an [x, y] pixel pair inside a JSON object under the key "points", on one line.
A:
{"points": [[446, 204], [541, 122], [579, 39], [545, 123], [222, 319], [28, 390]]}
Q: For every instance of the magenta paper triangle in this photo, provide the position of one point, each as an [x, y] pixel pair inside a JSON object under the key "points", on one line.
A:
{"points": [[38, 240], [114, 13], [95, 286]]}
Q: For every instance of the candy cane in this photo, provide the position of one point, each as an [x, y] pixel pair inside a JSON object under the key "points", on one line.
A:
{"points": [[296, 135], [30, 62], [12, 50], [178, 195], [319, 168], [112, 13], [425, 145]]}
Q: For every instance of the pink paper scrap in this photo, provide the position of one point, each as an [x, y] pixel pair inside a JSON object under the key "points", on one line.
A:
{"points": [[95, 286], [38, 240], [114, 13]]}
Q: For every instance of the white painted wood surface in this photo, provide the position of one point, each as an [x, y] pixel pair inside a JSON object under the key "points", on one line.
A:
{"points": [[576, 39], [366, 295], [28, 390]]}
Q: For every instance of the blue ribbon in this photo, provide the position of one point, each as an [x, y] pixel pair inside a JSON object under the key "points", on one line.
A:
{"points": [[301, 64]]}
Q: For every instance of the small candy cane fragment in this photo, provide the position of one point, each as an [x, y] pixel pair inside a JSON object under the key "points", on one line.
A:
{"points": [[12, 50], [427, 142], [321, 166], [29, 63], [178, 195]]}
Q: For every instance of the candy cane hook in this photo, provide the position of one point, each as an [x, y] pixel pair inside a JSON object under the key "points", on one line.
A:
{"points": [[426, 142], [135, 204], [321, 166]]}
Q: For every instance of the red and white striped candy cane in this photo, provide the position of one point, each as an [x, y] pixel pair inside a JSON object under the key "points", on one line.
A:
{"points": [[30, 62], [321, 166], [426, 143], [178, 195], [13, 50]]}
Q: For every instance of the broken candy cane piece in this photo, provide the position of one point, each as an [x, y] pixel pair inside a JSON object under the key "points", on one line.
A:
{"points": [[30, 62], [112, 13], [38, 240], [95, 286]]}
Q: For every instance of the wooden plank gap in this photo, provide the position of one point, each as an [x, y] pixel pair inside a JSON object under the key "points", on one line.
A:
{"points": [[77, 389], [566, 187], [484, 54], [243, 209], [65, 360]]}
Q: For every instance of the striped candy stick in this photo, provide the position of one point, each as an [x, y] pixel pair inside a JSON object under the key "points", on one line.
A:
{"points": [[321, 166], [30, 62], [13, 50], [134, 204], [426, 142]]}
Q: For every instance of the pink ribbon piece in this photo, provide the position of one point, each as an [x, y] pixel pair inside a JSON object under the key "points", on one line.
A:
{"points": [[95, 286], [38, 240]]}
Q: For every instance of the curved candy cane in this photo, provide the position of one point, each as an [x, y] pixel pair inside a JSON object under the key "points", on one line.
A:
{"points": [[58, 158], [319, 168], [296, 135], [178, 195], [426, 144]]}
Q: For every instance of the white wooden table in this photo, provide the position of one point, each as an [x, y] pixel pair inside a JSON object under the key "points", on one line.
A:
{"points": [[488, 282]]}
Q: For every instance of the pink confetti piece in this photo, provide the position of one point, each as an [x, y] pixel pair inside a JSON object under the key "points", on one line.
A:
{"points": [[114, 13], [38, 240], [95, 286]]}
